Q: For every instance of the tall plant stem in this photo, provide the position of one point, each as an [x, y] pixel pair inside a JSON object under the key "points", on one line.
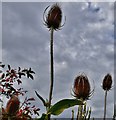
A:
{"points": [[72, 115], [51, 69], [80, 112], [105, 100]]}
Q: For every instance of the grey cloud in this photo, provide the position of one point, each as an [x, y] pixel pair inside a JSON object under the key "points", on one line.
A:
{"points": [[83, 45]]}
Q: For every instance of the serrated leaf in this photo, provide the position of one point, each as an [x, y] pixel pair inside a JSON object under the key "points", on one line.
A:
{"points": [[30, 71], [24, 70], [30, 76], [60, 106], [2, 76], [21, 74], [7, 74], [2, 66], [9, 67], [19, 81], [19, 68], [30, 99]]}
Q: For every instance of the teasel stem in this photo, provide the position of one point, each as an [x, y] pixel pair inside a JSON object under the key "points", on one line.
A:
{"points": [[72, 114], [80, 112], [105, 100], [51, 69]]}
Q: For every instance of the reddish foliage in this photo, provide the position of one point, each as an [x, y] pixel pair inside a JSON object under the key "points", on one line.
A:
{"points": [[15, 109]]}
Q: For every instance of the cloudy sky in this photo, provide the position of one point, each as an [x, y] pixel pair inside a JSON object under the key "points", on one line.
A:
{"points": [[84, 45]]}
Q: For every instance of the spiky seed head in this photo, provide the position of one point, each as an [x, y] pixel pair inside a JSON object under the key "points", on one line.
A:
{"points": [[81, 87], [54, 17], [107, 82], [12, 105]]}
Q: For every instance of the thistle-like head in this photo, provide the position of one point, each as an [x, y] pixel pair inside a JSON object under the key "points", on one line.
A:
{"points": [[81, 87], [54, 17], [107, 82]]}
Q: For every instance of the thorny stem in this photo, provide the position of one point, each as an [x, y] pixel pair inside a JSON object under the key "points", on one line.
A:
{"points": [[51, 69], [80, 112], [105, 100]]}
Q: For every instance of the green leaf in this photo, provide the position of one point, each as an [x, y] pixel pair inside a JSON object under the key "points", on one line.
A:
{"points": [[41, 98], [60, 106]]}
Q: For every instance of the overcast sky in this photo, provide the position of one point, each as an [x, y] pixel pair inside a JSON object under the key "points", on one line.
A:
{"points": [[84, 45]]}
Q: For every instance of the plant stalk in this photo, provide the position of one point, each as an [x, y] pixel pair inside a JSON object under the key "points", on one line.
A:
{"points": [[105, 100], [51, 69], [72, 115], [79, 116]]}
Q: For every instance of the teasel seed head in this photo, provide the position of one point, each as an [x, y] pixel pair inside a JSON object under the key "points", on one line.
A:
{"points": [[81, 88], [107, 82], [13, 105], [54, 17]]}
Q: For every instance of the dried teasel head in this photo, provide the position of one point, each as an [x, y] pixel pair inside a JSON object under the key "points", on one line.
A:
{"points": [[107, 82], [12, 105], [81, 88], [54, 17]]}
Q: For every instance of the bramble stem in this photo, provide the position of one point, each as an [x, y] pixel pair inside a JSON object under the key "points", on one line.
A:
{"points": [[51, 69], [105, 100]]}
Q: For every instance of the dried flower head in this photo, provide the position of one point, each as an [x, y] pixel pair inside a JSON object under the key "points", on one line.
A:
{"points": [[81, 88], [12, 105], [54, 17], [107, 82]]}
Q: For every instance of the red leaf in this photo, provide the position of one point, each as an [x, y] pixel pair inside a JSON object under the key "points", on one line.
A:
{"points": [[31, 99], [19, 81]]}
